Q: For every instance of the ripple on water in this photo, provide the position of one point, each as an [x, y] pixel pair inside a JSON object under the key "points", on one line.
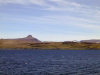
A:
{"points": [[49, 62]]}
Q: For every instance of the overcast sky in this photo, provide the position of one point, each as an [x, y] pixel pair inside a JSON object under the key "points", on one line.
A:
{"points": [[50, 20]]}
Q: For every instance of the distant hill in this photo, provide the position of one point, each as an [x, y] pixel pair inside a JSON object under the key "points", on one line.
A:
{"points": [[92, 41], [31, 42], [28, 39]]}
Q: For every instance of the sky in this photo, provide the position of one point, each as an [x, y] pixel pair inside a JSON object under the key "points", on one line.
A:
{"points": [[50, 20]]}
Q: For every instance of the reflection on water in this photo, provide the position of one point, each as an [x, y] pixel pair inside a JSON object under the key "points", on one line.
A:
{"points": [[49, 62]]}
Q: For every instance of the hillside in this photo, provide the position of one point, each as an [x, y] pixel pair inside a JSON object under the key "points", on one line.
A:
{"points": [[18, 42], [34, 43], [92, 41]]}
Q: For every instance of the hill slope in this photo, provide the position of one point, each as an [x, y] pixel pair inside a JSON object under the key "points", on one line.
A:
{"points": [[92, 41], [18, 43]]}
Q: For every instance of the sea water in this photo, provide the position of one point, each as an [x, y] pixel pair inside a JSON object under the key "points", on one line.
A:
{"points": [[49, 62]]}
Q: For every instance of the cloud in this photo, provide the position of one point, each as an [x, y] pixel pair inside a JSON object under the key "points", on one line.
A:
{"points": [[38, 2], [47, 3], [65, 3], [90, 15], [75, 21], [12, 2], [86, 11], [64, 6], [56, 20], [23, 2]]}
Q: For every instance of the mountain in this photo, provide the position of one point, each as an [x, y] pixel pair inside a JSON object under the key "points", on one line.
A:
{"points": [[28, 39], [92, 41]]}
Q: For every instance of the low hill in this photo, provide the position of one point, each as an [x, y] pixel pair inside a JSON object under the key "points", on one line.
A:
{"points": [[18, 43], [31, 42], [29, 39], [92, 41]]}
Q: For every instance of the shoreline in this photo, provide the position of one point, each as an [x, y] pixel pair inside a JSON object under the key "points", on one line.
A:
{"points": [[43, 49]]}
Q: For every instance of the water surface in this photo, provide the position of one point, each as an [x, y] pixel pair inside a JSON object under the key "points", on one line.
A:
{"points": [[49, 62]]}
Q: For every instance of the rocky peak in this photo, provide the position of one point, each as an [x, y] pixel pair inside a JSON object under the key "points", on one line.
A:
{"points": [[29, 37]]}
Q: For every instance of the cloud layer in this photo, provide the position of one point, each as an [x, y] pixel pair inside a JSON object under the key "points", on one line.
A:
{"points": [[91, 14], [53, 13]]}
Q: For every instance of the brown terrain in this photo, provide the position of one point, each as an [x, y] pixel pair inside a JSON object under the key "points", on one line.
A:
{"points": [[18, 43], [34, 43]]}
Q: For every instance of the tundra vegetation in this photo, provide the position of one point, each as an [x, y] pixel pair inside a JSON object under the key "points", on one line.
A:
{"points": [[48, 45]]}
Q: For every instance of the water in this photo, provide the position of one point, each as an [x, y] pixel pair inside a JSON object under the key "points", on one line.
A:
{"points": [[49, 62]]}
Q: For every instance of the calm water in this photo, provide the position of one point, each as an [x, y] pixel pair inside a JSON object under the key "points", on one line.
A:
{"points": [[49, 62]]}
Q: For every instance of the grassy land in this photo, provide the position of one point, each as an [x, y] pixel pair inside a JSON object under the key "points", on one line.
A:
{"points": [[49, 45]]}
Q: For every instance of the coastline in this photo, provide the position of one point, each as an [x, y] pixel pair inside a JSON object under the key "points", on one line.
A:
{"points": [[44, 49]]}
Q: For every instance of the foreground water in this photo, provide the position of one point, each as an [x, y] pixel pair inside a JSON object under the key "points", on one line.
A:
{"points": [[49, 62]]}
